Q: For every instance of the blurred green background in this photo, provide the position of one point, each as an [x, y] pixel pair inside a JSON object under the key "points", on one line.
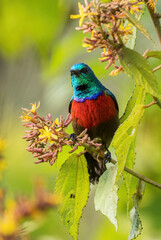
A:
{"points": [[38, 45]]}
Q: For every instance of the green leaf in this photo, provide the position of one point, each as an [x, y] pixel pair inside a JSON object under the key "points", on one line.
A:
{"points": [[106, 194], [124, 139], [130, 187], [136, 224], [131, 18], [136, 227], [154, 54], [130, 43], [138, 68], [73, 186], [136, 98]]}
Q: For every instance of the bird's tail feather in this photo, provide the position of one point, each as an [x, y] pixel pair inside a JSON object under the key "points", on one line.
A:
{"points": [[95, 168]]}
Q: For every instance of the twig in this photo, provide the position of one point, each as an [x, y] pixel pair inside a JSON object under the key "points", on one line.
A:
{"points": [[150, 104], [141, 177], [155, 20], [130, 171], [144, 54], [157, 68]]}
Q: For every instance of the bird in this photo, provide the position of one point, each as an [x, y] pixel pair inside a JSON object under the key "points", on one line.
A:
{"points": [[95, 108]]}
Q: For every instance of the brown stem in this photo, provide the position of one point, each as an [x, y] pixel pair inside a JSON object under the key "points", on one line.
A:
{"points": [[155, 20], [150, 104], [141, 177], [157, 68], [139, 192], [128, 170]]}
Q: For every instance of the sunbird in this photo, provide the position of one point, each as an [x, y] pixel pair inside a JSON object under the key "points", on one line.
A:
{"points": [[95, 108]]}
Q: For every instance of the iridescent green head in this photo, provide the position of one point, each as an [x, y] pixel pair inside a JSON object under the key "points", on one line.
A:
{"points": [[84, 82]]}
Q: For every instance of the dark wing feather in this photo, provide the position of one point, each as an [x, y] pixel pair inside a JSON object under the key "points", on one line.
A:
{"points": [[70, 105], [108, 92]]}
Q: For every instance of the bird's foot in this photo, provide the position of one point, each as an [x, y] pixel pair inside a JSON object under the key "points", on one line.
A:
{"points": [[73, 137], [107, 157]]}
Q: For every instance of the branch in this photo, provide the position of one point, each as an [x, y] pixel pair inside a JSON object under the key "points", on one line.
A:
{"points": [[155, 20], [141, 177], [53, 132], [128, 170], [157, 68], [150, 104]]}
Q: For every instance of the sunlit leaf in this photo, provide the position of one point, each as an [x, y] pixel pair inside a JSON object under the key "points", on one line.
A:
{"points": [[73, 186], [134, 215], [130, 43], [154, 54], [106, 195], [138, 68], [130, 187], [131, 18], [124, 138], [136, 98], [136, 224]]}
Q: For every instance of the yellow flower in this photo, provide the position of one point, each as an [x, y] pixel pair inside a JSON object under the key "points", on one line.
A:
{"points": [[136, 7], [115, 72], [26, 117], [46, 134], [126, 29], [106, 54], [87, 45], [8, 223], [152, 4], [55, 122], [82, 13], [34, 108]]}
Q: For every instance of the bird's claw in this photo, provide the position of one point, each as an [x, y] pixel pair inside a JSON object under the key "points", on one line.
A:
{"points": [[107, 157], [73, 137]]}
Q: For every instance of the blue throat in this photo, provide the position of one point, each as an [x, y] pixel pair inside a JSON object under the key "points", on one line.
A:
{"points": [[94, 96]]}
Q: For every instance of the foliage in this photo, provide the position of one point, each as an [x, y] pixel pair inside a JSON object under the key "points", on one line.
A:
{"points": [[73, 185], [111, 26], [106, 194], [14, 211]]}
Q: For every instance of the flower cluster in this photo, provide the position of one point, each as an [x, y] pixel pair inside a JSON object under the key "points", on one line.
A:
{"points": [[16, 211], [152, 4], [108, 25], [47, 137]]}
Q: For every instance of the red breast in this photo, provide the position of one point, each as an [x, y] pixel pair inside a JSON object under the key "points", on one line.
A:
{"points": [[91, 113]]}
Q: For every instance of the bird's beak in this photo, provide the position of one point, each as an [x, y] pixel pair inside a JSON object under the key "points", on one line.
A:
{"points": [[74, 72]]}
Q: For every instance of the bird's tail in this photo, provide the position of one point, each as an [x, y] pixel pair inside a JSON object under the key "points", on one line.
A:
{"points": [[95, 168]]}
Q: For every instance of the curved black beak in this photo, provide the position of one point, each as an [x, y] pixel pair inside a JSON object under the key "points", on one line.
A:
{"points": [[74, 72]]}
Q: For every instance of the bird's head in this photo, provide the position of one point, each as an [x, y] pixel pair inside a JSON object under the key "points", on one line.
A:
{"points": [[84, 81], [81, 74]]}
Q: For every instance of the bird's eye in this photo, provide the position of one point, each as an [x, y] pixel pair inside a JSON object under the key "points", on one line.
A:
{"points": [[84, 70]]}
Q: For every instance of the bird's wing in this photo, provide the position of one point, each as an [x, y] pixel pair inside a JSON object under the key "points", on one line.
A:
{"points": [[70, 104], [108, 92]]}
